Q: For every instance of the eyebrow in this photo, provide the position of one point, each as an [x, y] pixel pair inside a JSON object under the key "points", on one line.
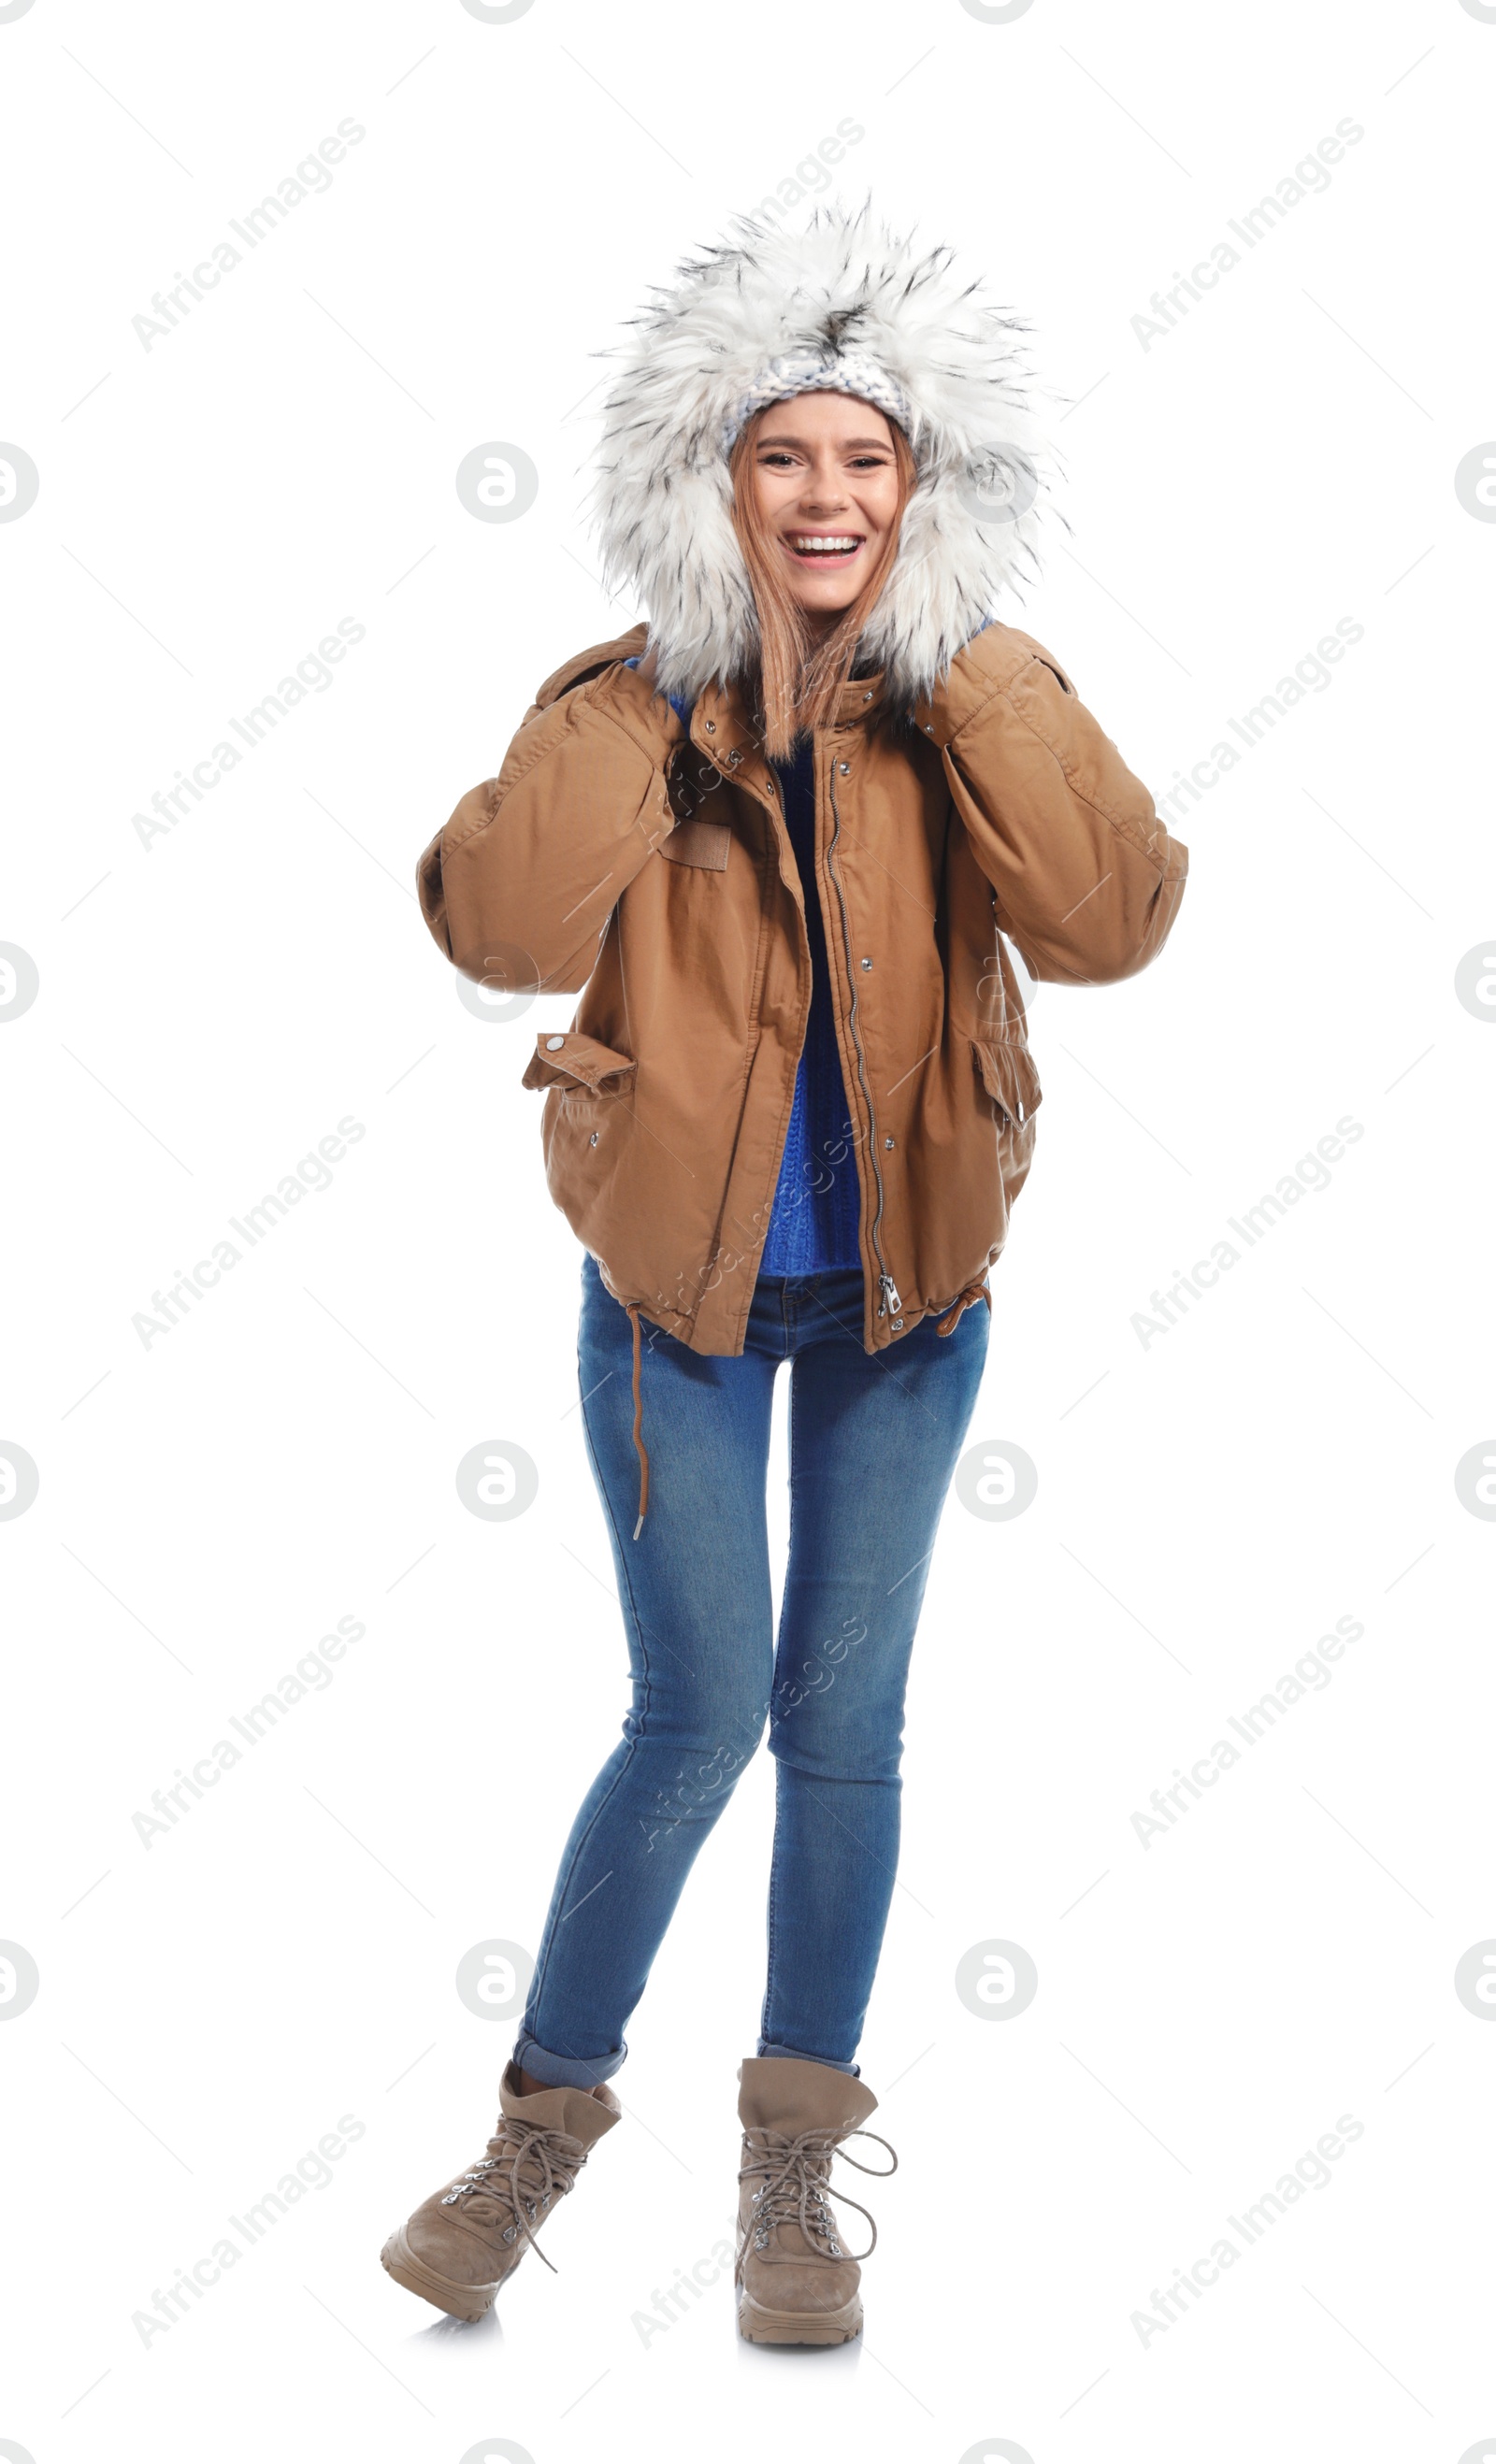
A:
{"points": [[851, 444]]}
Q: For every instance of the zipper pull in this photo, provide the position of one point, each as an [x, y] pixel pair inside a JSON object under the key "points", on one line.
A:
{"points": [[889, 1300]]}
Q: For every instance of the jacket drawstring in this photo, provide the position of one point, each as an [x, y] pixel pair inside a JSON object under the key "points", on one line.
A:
{"points": [[973, 1291], [632, 1306]]}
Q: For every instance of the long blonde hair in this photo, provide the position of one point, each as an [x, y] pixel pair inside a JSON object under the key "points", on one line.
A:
{"points": [[798, 680]]}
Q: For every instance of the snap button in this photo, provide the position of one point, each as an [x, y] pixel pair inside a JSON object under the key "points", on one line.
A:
{"points": [[845, 768], [553, 1042], [928, 730], [898, 1324], [866, 697], [592, 1142], [867, 965], [888, 1142], [734, 759], [711, 726]]}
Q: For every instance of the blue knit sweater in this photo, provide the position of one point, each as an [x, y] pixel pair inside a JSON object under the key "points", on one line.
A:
{"points": [[817, 1203]]}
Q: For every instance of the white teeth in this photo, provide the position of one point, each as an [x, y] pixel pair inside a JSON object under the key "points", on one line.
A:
{"points": [[816, 546]]}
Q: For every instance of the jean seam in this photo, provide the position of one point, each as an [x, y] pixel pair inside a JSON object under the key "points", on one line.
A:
{"points": [[563, 1877], [765, 2029], [774, 1853]]}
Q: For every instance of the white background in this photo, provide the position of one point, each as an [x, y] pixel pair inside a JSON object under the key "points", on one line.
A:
{"points": [[1208, 1505]]}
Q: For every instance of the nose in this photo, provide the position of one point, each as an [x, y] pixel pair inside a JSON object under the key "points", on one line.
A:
{"points": [[824, 491]]}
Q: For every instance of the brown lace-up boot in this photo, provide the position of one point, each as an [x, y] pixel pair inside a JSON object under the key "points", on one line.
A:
{"points": [[796, 2285], [465, 2240]]}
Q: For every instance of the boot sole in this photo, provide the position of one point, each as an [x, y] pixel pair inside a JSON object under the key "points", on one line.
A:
{"points": [[471, 2301], [763, 2326]]}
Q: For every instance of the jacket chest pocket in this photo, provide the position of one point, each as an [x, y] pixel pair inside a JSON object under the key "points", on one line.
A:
{"points": [[580, 1067]]}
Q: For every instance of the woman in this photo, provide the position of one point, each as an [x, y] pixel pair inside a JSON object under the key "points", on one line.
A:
{"points": [[775, 839]]}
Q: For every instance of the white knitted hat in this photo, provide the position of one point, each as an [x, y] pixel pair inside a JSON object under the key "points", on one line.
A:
{"points": [[819, 368]]}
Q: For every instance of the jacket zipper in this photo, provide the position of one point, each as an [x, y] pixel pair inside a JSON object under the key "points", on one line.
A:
{"points": [[888, 1289]]}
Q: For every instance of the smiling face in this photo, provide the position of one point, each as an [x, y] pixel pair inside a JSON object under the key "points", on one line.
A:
{"points": [[827, 484]]}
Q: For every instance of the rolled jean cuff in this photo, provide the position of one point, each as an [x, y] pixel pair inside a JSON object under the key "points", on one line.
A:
{"points": [[557, 2071], [793, 2054]]}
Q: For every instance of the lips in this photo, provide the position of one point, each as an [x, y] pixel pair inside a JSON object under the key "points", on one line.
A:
{"points": [[823, 547]]}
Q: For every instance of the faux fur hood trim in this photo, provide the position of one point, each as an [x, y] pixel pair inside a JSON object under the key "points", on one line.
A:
{"points": [[843, 304]]}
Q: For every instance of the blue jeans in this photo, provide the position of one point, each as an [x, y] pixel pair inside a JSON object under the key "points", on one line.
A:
{"points": [[874, 1439]]}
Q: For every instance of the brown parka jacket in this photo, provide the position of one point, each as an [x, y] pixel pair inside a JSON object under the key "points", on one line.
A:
{"points": [[651, 871]]}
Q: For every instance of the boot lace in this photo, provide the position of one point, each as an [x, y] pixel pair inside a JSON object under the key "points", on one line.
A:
{"points": [[525, 2168], [794, 2182]]}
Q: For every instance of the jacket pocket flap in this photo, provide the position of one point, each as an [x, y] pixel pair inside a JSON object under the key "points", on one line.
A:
{"points": [[1010, 1077], [579, 1063]]}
